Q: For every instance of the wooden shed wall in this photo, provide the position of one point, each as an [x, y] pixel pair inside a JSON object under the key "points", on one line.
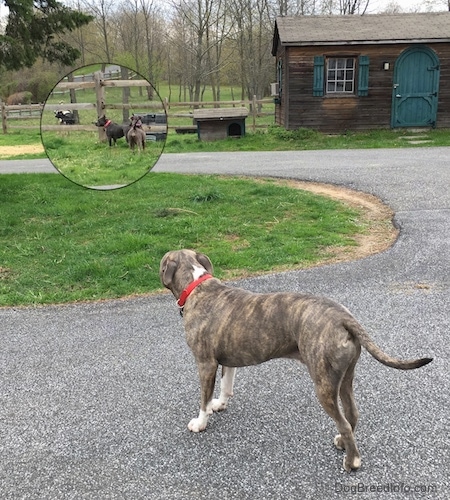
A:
{"points": [[299, 108]]}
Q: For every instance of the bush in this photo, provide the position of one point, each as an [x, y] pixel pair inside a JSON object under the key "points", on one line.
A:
{"points": [[41, 85], [19, 98], [292, 135]]}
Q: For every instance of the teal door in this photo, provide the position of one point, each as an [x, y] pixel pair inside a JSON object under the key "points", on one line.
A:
{"points": [[415, 90]]}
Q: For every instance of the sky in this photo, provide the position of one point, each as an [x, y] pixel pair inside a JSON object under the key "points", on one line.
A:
{"points": [[374, 6]]}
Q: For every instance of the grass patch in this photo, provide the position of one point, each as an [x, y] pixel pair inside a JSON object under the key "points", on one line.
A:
{"points": [[60, 243], [19, 137], [273, 138], [84, 160], [276, 138], [13, 146]]}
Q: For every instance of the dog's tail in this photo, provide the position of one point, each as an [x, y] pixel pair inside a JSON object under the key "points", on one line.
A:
{"points": [[355, 329]]}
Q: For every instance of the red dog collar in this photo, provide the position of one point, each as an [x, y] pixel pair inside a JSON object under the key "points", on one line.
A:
{"points": [[107, 124], [188, 290]]}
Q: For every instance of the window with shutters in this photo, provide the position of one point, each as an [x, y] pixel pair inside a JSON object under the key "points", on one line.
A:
{"points": [[341, 76]]}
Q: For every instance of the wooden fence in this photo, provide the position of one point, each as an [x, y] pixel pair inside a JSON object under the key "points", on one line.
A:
{"points": [[172, 109]]}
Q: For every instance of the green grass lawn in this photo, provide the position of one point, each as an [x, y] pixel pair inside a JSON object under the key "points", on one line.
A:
{"points": [[272, 139], [60, 243], [276, 138], [80, 157]]}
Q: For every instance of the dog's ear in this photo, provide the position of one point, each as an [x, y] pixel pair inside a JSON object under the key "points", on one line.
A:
{"points": [[205, 262], [168, 268]]}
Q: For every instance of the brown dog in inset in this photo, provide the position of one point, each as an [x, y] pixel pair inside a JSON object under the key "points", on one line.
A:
{"points": [[233, 327], [136, 136]]}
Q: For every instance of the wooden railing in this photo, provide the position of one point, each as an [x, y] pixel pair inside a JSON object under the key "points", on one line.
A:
{"points": [[11, 114]]}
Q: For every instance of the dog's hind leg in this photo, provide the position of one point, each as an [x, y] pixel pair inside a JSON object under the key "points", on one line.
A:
{"points": [[327, 389], [207, 373], [226, 389], [348, 402]]}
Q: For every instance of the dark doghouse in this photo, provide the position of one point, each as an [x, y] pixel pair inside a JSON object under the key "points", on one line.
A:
{"points": [[220, 123]]}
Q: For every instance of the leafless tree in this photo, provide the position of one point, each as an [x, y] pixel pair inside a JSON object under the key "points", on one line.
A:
{"points": [[353, 6], [344, 7], [180, 60], [198, 32], [86, 39], [198, 42], [128, 23], [252, 35], [296, 7], [154, 40], [103, 12], [437, 4]]}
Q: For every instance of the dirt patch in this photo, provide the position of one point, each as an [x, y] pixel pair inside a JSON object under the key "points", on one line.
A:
{"points": [[4, 272], [376, 217], [26, 149], [380, 233]]}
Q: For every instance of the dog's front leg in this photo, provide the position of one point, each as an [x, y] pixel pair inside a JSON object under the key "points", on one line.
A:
{"points": [[226, 389], [207, 373]]}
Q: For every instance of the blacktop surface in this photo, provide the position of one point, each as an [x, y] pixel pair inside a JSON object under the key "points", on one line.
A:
{"points": [[95, 398]]}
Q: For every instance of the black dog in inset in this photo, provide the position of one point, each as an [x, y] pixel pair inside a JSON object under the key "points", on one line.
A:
{"points": [[113, 130], [65, 117], [136, 136]]}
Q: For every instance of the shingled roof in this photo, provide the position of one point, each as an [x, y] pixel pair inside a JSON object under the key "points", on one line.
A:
{"points": [[367, 29]]}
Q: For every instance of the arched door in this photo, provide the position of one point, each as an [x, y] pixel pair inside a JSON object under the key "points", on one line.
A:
{"points": [[416, 86]]}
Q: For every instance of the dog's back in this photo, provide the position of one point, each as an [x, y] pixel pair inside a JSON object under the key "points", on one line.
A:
{"points": [[136, 136]]}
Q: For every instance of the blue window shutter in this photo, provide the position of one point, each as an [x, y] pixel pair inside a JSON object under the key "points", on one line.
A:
{"points": [[318, 76], [280, 75], [363, 76]]}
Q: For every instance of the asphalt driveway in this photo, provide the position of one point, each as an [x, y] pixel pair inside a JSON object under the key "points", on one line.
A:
{"points": [[95, 398]]}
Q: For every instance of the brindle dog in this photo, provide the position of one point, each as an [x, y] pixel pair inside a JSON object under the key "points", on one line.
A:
{"points": [[233, 327], [136, 136]]}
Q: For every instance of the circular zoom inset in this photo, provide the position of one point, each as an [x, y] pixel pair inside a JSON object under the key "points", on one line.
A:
{"points": [[103, 126]]}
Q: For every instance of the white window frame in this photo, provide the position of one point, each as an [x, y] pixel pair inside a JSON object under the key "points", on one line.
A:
{"points": [[340, 75]]}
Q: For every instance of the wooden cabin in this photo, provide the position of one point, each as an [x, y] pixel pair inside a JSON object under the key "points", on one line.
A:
{"points": [[337, 73]]}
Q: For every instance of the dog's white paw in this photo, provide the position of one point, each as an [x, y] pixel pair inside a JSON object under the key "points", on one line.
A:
{"points": [[197, 425], [356, 464], [217, 405], [338, 442]]}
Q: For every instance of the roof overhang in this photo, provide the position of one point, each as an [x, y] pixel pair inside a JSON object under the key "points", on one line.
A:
{"points": [[372, 29], [316, 43]]}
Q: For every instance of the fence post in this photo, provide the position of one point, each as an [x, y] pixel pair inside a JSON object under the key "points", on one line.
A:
{"points": [[126, 93], [3, 111], [100, 102]]}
